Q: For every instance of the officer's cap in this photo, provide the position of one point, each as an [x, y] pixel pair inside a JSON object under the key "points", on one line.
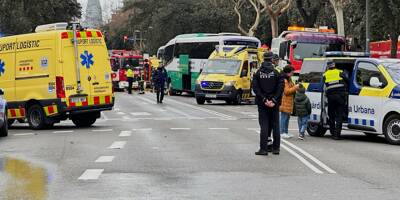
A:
{"points": [[330, 64], [268, 56], [275, 57]]}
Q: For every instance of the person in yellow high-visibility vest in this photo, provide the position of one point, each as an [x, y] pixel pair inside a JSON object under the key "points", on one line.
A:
{"points": [[336, 82], [129, 76]]}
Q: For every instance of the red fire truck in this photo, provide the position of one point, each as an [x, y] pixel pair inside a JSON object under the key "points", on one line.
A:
{"points": [[382, 49], [120, 60], [299, 42]]}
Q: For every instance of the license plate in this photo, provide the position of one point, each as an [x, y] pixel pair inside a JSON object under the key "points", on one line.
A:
{"points": [[211, 96], [78, 99]]}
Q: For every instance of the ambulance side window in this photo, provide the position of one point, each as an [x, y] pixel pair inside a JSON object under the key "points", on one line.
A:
{"points": [[245, 69], [365, 72]]}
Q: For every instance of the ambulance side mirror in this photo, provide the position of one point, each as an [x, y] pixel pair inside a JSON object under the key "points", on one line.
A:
{"points": [[374, 82], [1, 92]]}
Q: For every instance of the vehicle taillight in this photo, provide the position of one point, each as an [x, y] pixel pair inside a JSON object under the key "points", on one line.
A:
{"points": [[60, 87]]}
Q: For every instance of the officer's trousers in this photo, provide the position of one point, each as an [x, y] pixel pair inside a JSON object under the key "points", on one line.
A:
{"points": [[269, 123], [336, 109], [160, 94], [130, 83]]}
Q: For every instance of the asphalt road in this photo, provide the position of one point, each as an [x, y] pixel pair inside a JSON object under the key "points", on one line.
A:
{"points": [[179, 150]]}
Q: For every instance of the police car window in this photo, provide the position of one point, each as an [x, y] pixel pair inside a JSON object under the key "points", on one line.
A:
{"points": [[364, 73], [312, 70]]}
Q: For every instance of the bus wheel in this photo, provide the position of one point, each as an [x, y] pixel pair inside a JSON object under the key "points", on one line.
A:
{"points": [[391, 129], [200, 100], [84, 120], [4, 128], [316, 130], [36, 117]]}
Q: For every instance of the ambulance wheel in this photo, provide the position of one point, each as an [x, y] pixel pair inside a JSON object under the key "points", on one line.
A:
{"points": [[84, 120], [316, 130], [391, 129], [36, 117], [238, 99], [200, 100], [4, 128]]}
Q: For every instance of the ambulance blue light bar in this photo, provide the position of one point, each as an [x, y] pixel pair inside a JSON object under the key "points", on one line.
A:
{"points": [[346, 54]]}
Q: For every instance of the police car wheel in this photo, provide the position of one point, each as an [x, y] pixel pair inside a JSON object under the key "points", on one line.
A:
{"points": [[4, 128], [315, 130], [200, 100], [36, 117], [391, 129]]}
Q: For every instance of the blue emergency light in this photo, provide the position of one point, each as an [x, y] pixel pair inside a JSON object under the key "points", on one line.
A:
{"points": [[346, 54]]}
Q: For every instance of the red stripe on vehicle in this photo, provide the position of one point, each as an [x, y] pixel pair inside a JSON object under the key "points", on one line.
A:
{"points": [[96, 100], [108, 99], [85, 103], [99, 34], [22, 111], [50, 109], [78, 34], [88, 34], [72, 104], [13, 113]]}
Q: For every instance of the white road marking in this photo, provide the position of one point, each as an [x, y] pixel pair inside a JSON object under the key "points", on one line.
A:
{"points": [[117, 145], [116, 109], [176, 129], [102, 130], [196, 118], [126, 118], [140, 114], [147, 100], [125, 133], [155, 148], [104, 159], [120, 113], [304, 161], [104, 116], [91, 174], [142, 129], [163, 119], [23, 134], [63, 131], [311, 157], [218, 128]]}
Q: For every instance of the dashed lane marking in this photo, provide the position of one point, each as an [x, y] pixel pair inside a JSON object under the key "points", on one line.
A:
{"points": [[103, 130], [120, 113], [91, 174], [218, 128], [23, 134], [117, 145], [142, 129], [125, 133], [63, 131], [140, 113], [179, 129], [104, 159], [163, 119]]}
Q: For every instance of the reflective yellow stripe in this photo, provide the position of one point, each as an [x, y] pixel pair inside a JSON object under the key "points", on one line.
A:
{"points": [[129, 73], [332, 75]]}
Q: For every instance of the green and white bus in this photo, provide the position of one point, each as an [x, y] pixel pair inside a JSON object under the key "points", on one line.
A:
{"points": [[186, 55]]}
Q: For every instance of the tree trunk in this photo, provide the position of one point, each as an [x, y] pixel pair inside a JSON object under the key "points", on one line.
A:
{"points": [[338, 7], [393, 50], [274, 26]]}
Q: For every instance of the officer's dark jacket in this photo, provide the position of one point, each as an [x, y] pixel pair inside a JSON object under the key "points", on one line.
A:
{"points": [[160, 77], [268, 84]]}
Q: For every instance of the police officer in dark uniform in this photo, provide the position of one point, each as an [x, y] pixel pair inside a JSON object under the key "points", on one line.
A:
{"points": [[268, 87], [336, 82]]}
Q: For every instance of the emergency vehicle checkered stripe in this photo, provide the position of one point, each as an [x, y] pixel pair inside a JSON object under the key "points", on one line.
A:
{"points": [[96, 100], [82, 34], [363, 122], [51, 110], [16, 113]]}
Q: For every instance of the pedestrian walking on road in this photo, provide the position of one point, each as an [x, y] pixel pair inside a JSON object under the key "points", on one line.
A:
{"points": [[303, 110], [129, 76], [336, 82], [268, 87], [286, 108], [159, 79]]}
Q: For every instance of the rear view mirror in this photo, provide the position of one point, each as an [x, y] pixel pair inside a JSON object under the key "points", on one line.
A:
{"points": [[294, 44], [374, 82], [1, 92]]}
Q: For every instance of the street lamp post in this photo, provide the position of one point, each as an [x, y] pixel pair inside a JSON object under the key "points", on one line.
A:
{"points": [[367, 39]]}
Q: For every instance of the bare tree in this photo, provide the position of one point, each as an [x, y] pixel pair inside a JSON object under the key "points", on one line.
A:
{"points": [[258, 8], [274, 9], [338, 6], [309, 11]]}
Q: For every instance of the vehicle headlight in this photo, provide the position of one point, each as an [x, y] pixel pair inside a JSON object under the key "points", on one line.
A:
{"points": [[230, 83]]}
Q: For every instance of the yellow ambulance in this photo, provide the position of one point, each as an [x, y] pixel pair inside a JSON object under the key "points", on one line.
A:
{"points": [[228, 74], [59, 72]]}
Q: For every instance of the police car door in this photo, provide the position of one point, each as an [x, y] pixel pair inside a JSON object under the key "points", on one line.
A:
{"points": [[365, 97]]}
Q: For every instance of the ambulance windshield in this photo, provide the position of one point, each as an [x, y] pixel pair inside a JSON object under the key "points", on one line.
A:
{"points": [[221, 66], [394, 71]]}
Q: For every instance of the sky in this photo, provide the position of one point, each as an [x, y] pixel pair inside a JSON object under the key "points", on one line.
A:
{"points": [[108, 6]]}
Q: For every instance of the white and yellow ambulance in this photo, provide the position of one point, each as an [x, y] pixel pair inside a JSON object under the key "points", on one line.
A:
{"points": [[61, 71], [373, 95]]}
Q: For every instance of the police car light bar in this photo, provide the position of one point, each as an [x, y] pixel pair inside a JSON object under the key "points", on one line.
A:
{"points": [[51, 27], [346, 54]]}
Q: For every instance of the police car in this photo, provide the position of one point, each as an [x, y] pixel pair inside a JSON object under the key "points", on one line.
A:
{"points": [[3, 116], [373, 94]]}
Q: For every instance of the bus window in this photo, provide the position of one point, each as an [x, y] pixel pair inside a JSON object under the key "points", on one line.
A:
{"points": [[199, 50], [242, 43], [168, 53]]}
